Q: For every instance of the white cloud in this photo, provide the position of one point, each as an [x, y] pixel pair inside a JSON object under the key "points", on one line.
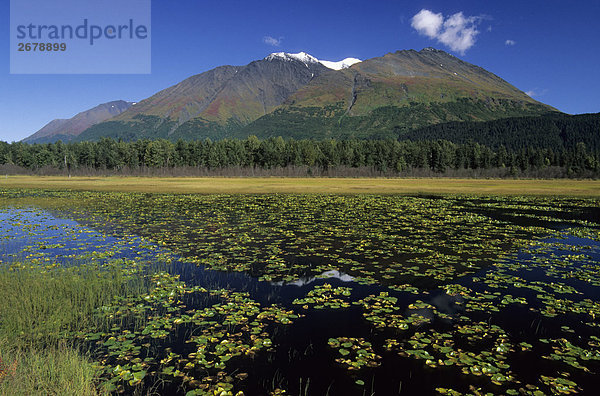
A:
{"points": [[427, 23], [457, 31], [510, 42], [530, 93], [275, 42]]}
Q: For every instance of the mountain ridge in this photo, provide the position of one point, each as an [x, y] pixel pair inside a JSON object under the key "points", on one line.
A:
{"points": [[296, 95], [68, 129]]}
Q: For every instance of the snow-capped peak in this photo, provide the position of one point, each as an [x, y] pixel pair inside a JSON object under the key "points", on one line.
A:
{"points": [[308, 59], [300, 56], [343, 64]]}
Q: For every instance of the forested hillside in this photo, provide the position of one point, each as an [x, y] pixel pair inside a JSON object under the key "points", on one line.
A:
{"points": [[555, 131]]}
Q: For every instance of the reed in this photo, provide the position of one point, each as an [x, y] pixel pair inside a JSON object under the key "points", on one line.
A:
{"points": [[40, 308], [58, 370]]}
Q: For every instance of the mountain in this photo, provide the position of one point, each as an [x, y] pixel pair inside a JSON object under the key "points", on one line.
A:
{"points": [[297, 95], [67, 129], [217, 102]]}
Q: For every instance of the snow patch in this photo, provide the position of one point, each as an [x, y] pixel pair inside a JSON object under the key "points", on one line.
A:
{"points": [[300, 56], [309, 59], [343, 64]]}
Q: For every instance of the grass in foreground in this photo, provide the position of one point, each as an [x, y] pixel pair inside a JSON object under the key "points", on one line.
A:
{"points": [[58, 370], [554, 187], [39, 308]]}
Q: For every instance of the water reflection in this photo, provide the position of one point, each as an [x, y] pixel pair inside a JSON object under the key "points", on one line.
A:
{"points": [[331, 274]]}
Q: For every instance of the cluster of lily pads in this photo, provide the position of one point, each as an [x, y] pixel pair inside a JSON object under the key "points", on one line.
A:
{"points": [[355, 353], [325, 296], [381, 310], [484, 352]]}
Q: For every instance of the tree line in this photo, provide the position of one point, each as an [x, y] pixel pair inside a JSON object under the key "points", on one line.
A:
{"points": [[387, 156]]}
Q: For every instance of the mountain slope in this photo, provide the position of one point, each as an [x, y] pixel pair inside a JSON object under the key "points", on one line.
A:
{"points": [[222, 99], [67, 129], [388, 96], [296, 95], [52, 128]]}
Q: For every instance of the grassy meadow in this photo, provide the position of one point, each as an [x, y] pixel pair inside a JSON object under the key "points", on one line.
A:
{"points": [[552, 187]]}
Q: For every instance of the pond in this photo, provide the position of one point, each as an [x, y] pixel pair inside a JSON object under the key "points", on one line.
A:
{"points": [[326, 294]]}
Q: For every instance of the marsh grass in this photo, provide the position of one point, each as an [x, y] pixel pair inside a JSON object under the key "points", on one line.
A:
{"points": [[57, 370], [40, 308]]}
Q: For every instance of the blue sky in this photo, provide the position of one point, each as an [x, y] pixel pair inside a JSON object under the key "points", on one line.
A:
{"points": [[547, 48]]}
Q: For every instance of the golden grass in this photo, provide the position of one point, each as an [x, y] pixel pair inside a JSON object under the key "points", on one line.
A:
{"points": [[56, 370], [555, 187]]}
